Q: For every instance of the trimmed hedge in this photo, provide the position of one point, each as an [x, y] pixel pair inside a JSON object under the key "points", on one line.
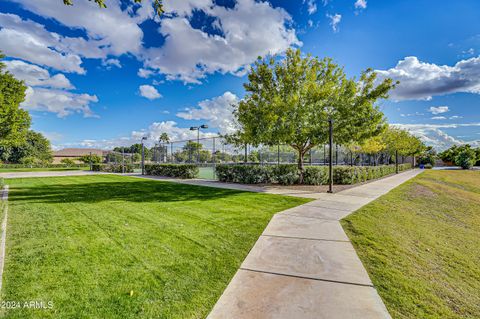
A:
{"points": [[112, 168], [42, 165], [313, 175], [172, 170]]}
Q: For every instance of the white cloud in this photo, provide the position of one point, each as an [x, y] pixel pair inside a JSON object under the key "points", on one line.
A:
{"points": [[152, 133], [439, 118], [334, 21], [186, 7], [50, 93], [109, 63], [360, 4], [438, 109], [30, 41], [312, 6], [434, 134], [116, 30], [454, 117], [249, 30], [421, 80], [217, 111], [34, 75], [149, 92], [61, 102], [144, 73]]}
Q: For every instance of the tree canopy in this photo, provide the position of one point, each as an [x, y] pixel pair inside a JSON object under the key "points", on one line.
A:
{"points": [[290, 101], [402, 141], [158, 5], [35, 150], [14, 121]]}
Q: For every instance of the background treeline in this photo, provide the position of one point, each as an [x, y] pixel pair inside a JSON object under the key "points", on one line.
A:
{"points": [[18, 144]]}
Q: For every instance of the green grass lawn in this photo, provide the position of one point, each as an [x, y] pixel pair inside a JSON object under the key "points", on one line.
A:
{"points": [[39, 169], [421, 245], [87, 242]]}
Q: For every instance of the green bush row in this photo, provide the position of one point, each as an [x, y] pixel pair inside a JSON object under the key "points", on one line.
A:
{"points": [[112, 168], [172, 170], [42, 165], [313, 175]]}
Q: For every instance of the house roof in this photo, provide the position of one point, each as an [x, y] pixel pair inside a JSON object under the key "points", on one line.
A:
{"points": [[77, 152]]}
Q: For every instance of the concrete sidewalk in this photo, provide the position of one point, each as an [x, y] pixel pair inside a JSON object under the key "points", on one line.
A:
{"points": [[304, 266], [235, 186]]}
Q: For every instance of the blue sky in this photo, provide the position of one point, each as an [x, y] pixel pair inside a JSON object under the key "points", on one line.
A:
{"points": [[106, 77]]}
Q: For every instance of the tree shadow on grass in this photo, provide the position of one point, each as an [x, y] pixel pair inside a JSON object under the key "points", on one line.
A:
{"points": [[133, 191]]}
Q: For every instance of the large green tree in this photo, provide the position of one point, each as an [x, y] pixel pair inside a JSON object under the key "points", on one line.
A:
{"points": [[14, 121], [35, 150], [290, 101]]}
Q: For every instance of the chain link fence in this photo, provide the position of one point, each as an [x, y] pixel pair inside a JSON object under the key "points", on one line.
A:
{"points": [[207, 152]]}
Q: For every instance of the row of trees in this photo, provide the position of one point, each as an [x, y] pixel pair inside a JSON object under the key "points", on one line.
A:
{"points": [[463, 155], [391, 142], [18, 144]]}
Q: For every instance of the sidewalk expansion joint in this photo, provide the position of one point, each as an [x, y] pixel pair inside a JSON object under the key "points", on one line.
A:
{"points": [[305, 238], [342, 210], [322, 218], [307, 277]]}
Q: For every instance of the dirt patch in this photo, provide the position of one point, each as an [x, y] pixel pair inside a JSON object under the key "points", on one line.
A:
{"points": [[419, 190]]}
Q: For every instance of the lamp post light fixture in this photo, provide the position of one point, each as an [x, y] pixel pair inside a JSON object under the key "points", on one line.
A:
{"points": [[197, 128], [143, 155]]}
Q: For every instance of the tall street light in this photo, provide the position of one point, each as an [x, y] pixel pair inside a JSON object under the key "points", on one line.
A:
{"points": [[197, 128], [143, 155], [330, 156]]}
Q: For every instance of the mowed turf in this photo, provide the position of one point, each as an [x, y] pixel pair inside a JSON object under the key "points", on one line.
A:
{"points": [[121, 247], [421, 245]]}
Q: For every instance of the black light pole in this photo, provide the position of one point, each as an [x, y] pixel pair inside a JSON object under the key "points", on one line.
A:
{"points": [[90, 160], [123, 159], [278, 154], [197, 128], [143, 155], [330, 156], [396, 161]]}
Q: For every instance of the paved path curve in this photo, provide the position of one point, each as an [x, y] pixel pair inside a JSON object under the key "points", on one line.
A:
{"points": [[304, 266]]}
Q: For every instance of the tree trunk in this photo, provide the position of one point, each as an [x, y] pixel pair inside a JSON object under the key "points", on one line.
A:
{"points": [[301, 154]]}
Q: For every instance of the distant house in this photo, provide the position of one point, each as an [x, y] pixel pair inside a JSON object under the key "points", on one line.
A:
{"points": [[75, 153]]}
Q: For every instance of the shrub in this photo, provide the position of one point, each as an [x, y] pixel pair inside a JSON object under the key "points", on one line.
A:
{"points": [[244, 174], [112, 168], [426, 159], [93, 158], [2, 182], [315, 175], [285, 174], [67, 161], [466, 158], [172, 170]]}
